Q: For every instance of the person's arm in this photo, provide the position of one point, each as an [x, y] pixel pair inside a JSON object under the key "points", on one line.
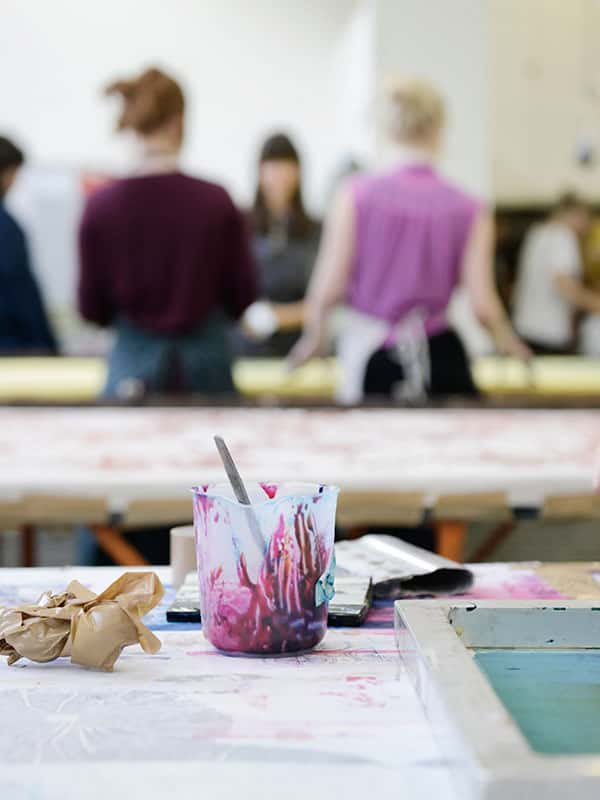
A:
{"points": [[94, 293], [478, 278], [263, 319], [240, 282], [290, 316], [25, 298], [578, 295], [330, 278]]}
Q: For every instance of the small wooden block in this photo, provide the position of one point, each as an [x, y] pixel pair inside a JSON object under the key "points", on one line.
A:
{"points": [[571, 506], [450, 538], [167, 511], [478, 506], [380, 508], [41, 509]]}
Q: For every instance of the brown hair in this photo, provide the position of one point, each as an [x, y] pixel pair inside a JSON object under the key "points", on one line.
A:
{"points": [[415, 109], [279, 147], [570, 201], [11, 157], [149, 101]]}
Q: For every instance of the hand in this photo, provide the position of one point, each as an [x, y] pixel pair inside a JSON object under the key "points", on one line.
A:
{"points": [[310, 345], [521, 351], [290, 316], [509, 344], [259, 321], [249, 332]]}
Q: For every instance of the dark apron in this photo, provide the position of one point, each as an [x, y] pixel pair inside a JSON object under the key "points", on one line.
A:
{"points": [[197, 362]]}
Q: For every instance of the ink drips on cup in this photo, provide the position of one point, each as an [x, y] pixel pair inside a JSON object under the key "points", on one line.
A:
{"points": [[271, 600]]}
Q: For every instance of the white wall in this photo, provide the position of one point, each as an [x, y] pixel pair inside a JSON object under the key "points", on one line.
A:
{"points": [[248, 67], [354, 74], [447, 42], [522, 78], [311, 67], [546, 97]]}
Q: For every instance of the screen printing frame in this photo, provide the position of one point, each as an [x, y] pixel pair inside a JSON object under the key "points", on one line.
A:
{"points": [[488, 755]]}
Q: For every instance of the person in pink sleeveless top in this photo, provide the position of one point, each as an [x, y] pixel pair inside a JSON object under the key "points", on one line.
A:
{"points": [[396, 246]]}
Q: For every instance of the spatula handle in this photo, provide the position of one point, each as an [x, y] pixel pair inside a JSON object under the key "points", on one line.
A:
{"points": [[235, 479], [237, 484]]}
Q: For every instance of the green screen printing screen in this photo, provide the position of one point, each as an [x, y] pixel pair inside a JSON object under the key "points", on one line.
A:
{"points": [[552, 695]]}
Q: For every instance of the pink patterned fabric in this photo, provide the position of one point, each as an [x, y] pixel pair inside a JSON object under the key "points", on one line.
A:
{"points": [[411, 231], [129, 453]]}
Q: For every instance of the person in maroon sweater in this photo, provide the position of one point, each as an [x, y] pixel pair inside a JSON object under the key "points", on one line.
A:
{"points": [[164, 258]]}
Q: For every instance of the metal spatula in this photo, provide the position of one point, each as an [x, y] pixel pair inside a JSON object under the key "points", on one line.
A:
{"points": [[237, 484]]}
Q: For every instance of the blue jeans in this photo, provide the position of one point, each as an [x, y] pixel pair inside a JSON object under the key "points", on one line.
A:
{"points": [[200, 358]]}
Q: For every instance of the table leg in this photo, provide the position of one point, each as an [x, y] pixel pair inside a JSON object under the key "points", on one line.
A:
{"points": [[113, 543], [27, 545], [497, 537], [450, 538]]}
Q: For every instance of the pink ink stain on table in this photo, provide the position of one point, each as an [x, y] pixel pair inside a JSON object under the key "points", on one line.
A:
{"points": [[519, 584]]}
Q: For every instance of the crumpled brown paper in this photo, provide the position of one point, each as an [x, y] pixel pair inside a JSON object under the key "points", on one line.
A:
{"points": [[91, 629]]}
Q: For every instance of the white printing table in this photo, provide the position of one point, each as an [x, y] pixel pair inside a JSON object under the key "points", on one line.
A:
{"points": [[341, 722], [127, 454], [403, 462]]}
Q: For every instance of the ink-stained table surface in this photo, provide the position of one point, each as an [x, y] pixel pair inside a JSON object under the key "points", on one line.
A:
{"points": [[128, 453], [342, 721], [79, 380]]}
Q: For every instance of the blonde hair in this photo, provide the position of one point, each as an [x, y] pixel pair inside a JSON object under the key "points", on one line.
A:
{"points": [[414, 110]]}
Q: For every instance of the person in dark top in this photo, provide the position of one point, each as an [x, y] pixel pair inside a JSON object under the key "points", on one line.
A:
{"points": [[164, 257], [285, 243], [24, 326]]}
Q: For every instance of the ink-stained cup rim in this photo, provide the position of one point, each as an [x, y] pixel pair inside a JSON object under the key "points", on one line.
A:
{"points": [[305, 490]]}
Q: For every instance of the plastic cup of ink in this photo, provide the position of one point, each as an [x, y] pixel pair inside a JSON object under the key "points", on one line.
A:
{"points": [[266, 570]]}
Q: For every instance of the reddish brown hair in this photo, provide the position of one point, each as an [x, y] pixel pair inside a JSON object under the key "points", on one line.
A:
{"points": [[149, 101]]}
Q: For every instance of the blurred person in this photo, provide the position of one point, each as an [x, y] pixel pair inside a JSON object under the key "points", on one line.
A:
{"points": [[589, 336], [24, 326], [589, 329], [285, 244], [550, 287], [591, 254], [164, 257], [395, 247]]}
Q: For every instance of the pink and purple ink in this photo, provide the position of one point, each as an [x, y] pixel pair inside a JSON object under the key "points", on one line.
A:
{"points": [[269, 600]]}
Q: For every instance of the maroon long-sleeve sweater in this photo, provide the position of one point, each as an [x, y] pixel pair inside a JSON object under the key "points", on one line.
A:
{"points": [[164, 252]]}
